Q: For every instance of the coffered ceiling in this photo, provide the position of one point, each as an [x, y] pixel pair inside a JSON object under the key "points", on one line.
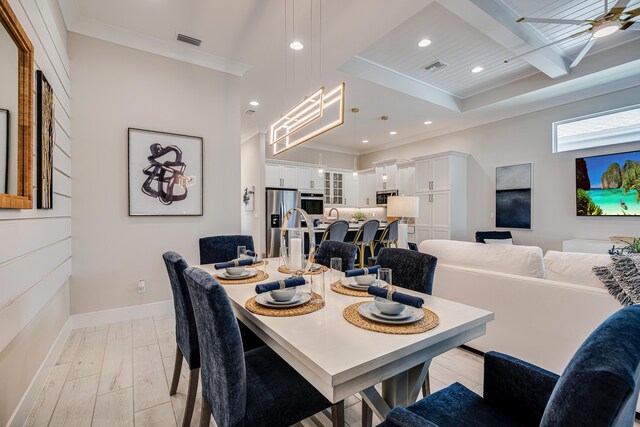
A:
{"points": [[372, 46]]}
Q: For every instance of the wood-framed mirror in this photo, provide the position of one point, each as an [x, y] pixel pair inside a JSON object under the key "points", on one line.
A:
{"points": [[16, 113]]}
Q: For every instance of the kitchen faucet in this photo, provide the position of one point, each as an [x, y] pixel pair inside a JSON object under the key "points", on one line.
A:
{"points": [[329, 213]]}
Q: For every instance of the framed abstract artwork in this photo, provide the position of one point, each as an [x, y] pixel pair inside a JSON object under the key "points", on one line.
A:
{"points": [[4, 151], [514, 201], [165, 174], [46, 139]]}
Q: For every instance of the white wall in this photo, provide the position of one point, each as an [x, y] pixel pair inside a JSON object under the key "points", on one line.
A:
{"points": [[252, 175], [526, 139], [35, 257], [116, 88]]}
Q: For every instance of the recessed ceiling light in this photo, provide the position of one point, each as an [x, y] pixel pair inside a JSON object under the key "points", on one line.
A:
{"points": [[254, 103], [428, 122], [296, 45], [424, 43], [477, 69], [365, 141], [393, 132]]}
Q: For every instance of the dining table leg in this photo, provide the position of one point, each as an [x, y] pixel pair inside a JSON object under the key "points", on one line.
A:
{"points": [[400, 390]]}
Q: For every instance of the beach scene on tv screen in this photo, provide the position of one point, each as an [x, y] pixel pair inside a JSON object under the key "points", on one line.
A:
{"points": [[608, 185]]}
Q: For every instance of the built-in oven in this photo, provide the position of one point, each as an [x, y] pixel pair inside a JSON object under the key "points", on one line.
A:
{"points": [[382, 196], [312, 203]]}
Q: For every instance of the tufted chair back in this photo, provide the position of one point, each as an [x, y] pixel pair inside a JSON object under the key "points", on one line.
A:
{"points": [[410, 269], [222, 248]]}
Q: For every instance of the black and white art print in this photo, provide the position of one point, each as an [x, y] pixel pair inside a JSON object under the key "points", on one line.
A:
{"points": [[514, 185], [165, 174]]}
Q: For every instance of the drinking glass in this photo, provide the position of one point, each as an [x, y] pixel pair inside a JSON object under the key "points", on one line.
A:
{"points": [[318, 287], [384, 277], [336, 269], [242, 252]]}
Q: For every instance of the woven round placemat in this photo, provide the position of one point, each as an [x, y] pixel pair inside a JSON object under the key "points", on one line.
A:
{"points": [[339, 288], [283, 269], [257, 278], [306, 308], [429, 321], [259, 263]]}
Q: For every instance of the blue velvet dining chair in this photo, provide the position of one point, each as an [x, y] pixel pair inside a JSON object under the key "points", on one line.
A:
{"points": [[254, 388], [411, 270], [222, 248], [186, 335], [599, 387], [330, 249]]}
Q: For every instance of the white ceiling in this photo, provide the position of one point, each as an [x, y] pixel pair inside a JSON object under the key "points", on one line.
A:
{"points": [[371, 45]]}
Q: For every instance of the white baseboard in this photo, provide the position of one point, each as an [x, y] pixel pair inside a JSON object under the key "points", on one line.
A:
{"points": [[30, 396], [76, 321], [96, 318]]}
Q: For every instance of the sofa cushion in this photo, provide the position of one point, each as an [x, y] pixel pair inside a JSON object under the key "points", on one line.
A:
{"points": [[574, 267], [512, 259]]}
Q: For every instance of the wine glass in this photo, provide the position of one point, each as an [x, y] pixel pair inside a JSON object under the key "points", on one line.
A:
{"points": [[385, 278], [242, 252], [318, 287]]}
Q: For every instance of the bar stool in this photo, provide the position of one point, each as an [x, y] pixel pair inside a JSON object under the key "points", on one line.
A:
{"points": [[336, 232], [390, 235], [365, 237]]}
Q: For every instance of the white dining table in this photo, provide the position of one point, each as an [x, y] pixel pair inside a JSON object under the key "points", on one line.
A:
{"points": [[340, 359]]}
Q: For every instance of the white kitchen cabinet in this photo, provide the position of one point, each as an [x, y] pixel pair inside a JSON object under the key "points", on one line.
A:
{"points": [[367, 189], [406, 180], [434, 173], [441, 185], [391, 172], [309, 179], [350, 189], [333, 188], [281, 175]]}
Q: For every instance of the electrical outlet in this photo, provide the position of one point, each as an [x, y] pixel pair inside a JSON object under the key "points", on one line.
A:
{"points": [[142, 287]]}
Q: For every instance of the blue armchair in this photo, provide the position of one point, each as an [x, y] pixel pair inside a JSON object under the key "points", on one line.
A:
{"points": [[599, 387]]}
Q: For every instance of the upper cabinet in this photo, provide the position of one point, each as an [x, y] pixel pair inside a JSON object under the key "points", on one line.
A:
{"points": [[351, 190], [434, 173], [367, 189], [281, 176], [386, 175], [406, 180], [333, 188], [310, 180]]}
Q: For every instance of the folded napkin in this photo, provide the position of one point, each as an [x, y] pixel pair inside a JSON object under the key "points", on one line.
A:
{"points": [[362, 271], [234, 263], [392, 295], [251, 253], [280, 284]]}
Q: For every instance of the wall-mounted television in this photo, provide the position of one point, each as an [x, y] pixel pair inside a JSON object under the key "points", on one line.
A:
{"points": [[608, 185]]}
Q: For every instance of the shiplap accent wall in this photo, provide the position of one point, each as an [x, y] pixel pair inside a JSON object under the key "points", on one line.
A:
{"points": [[35, 249]]}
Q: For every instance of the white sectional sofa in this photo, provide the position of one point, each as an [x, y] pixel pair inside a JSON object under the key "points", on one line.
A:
{"points": [[545, 307]]}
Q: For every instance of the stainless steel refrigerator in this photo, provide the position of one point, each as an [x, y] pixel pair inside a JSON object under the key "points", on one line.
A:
{"points": [[279, 201]]}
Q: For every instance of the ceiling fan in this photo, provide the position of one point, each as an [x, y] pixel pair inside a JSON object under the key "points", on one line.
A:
{"points": [[611, 21]]}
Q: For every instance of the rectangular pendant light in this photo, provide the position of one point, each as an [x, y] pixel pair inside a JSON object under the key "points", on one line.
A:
{"points": [[298, 123]]}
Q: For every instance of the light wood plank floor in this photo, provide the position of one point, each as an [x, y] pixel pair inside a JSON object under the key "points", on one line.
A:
{"points": [[119, 375]]}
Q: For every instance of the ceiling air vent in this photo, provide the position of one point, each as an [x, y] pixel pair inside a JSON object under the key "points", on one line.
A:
{"points": [[249, 112], [436, 66], [190, 40]]}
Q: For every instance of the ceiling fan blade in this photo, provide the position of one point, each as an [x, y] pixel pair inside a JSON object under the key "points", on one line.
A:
{"points": [[552, 21], [581, 33], [631, 25], [583, 52], [618, 8], [630, 14]]}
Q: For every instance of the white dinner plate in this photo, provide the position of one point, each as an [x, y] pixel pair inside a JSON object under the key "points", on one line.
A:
{"points": [[350, 282], [365, 310], [269, 299], [265, 300], [246, 275]]}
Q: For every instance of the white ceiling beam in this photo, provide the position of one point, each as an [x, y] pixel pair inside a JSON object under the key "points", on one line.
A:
{"points": [[498, 21], [384, 76]]}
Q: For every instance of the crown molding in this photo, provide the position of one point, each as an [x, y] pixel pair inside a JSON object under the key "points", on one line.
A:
{"points": [[76, 23]]}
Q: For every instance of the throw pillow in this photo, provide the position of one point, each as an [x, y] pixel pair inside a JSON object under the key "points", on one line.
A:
{"points": [[605, 274], [628, 276], [498, 241]]}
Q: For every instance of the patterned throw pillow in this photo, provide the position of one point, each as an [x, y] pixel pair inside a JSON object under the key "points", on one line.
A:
{"points": [[605, 274], [628, 276]]}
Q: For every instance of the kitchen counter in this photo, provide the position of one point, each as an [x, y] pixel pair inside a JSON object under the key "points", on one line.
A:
{"points": [[352, 227]]}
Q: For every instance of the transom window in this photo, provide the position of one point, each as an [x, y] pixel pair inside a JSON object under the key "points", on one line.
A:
{"points": [[597, 130]]}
